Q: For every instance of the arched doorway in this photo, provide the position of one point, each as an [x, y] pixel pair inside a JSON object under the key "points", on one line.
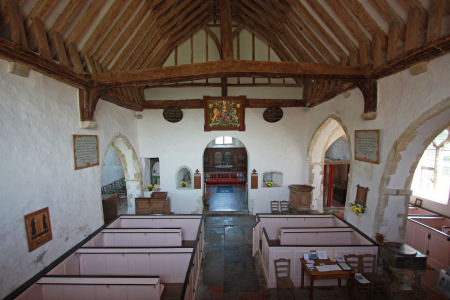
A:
{"points": [[120, 150], [225, 174], [329, 176], [395, 186]]}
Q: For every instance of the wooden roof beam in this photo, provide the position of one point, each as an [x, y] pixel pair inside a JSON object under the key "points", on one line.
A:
{"points": [[428, 51], [10, 51], [228, 68], [199, 104]]}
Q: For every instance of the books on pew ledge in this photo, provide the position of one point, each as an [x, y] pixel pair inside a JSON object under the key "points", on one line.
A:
{"points": [[328, 268], [361, 278]]}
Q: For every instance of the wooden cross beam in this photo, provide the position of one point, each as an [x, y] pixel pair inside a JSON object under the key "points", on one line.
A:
{"points": [[229, 68]]}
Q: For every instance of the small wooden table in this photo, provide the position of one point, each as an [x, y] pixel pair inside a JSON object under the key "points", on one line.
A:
{"points": [[316, 275]]}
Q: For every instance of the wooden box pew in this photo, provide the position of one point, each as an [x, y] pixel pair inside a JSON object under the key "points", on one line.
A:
{"points": [[321, 236], [94, 288], [269, 253], [274, 223], [170, 264], [137, 237], [431, 236], [189, 224]]}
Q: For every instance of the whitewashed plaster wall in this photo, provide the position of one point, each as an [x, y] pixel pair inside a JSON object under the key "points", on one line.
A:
{"points": [[402, 98], [39, 116], [270, 147], [112, 167]]}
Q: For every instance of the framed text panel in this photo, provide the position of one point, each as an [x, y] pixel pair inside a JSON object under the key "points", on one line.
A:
{"points": [[224, 113], [85, 151], [39, 230], [367, 145]]}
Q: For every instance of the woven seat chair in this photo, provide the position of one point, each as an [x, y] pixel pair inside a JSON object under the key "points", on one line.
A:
{"points": [[284, 282]]}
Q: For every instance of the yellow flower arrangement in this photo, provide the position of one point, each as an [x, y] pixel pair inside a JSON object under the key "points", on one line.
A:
{"points": [[269, 183], [357, 209], [149, 187], [183, 183]]}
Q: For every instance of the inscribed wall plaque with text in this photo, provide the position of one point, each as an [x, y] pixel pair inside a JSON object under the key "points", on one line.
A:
{"points": [[224, 113], [367, 145], [85, 150]]}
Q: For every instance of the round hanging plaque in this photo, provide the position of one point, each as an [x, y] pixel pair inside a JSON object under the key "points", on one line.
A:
{"points": [[173, 114], [273, 114]]}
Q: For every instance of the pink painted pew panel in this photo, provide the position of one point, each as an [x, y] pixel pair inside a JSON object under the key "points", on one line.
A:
{"points": [[317, 238], [170, 264], [188, 224], [93, 288], [161, 237], [273, 223]]}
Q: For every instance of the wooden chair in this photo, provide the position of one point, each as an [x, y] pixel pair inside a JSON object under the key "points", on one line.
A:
{"points": [[283, 273], [369, 270], [275, 207], [284, 205], [366, 265]]}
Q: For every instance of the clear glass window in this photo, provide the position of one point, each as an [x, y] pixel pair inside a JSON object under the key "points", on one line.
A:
{"points": [[432, 176]]}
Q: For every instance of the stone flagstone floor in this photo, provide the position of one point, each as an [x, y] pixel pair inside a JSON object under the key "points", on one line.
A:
{"points": [[229, 271]]}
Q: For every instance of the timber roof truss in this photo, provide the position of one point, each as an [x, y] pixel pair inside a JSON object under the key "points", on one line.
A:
{"points": [[115, 49]]}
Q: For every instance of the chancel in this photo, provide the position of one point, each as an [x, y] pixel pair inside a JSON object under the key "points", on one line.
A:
{"points": [[313, 125]]}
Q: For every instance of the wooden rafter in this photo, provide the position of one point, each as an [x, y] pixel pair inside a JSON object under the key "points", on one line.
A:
{"points": [[301, 14], [95, 38], [141, 32], [161, 29], [69, 14], [182, 31], [349, 22], [332, 25], [83, 23], [10, 51], [116, 48]]}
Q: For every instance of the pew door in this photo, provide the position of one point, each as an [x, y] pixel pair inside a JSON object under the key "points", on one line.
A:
{"points": [[256, 237]]}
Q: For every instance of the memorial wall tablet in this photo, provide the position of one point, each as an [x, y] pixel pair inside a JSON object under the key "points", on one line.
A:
{"points": [[367, 145], [85, 151]]}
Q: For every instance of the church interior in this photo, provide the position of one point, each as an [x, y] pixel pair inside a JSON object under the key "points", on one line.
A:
{"points": [[293, 126]]}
